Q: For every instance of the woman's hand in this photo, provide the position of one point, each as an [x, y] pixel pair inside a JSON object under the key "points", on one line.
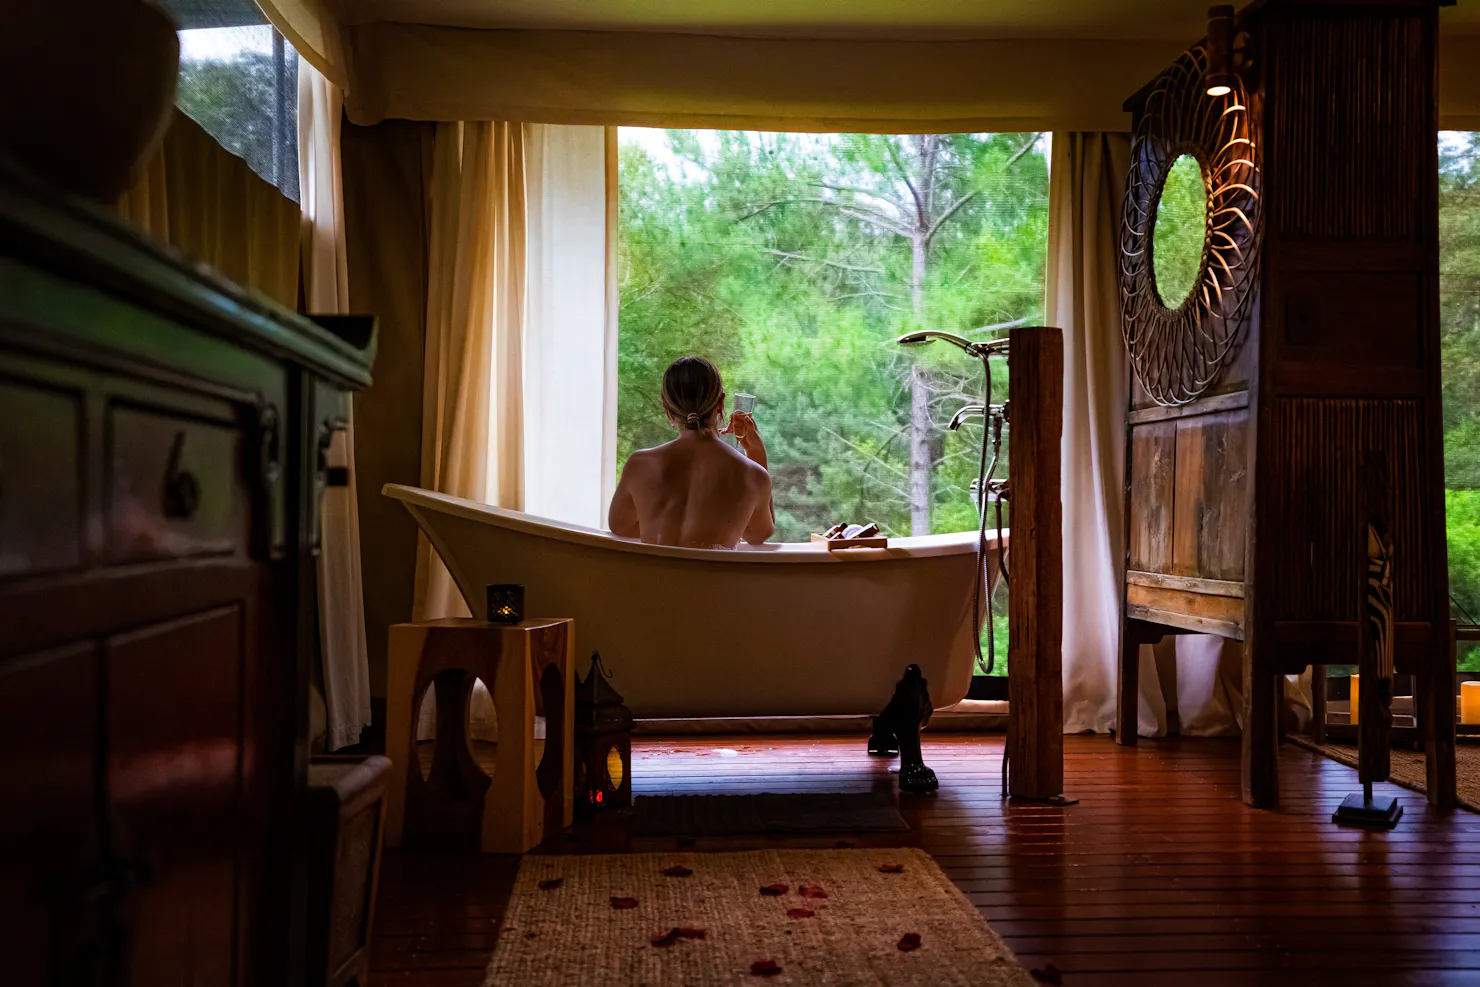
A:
{"points": [[742, 427]]}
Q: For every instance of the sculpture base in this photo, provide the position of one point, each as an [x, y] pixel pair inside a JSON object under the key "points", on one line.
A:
{"points": [[1382, 812]]}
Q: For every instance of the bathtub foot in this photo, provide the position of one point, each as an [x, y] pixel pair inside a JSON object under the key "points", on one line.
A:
{"points": [[897, 729]]}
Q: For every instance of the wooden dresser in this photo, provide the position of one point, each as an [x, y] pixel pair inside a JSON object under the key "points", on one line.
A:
{"points": [[162, 441]]}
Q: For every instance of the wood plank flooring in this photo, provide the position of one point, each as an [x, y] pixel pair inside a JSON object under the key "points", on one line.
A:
{"points": [[1160, 875]]}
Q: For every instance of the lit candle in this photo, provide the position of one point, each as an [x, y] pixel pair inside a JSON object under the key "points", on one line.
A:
{"points": [[1356, 683], [1469, 702]]}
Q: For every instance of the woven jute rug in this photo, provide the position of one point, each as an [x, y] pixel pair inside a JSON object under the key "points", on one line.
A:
{"points": [[1409, 769], [686, 919]]}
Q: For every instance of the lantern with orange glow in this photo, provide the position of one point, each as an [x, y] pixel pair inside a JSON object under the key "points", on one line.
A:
{"points": [[603, 737]]}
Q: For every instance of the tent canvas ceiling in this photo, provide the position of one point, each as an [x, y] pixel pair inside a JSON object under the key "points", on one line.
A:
{"points": [[883, 65], [1169, 20]]}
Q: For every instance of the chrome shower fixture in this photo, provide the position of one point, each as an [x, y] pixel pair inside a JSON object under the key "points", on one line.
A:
{"points": [[971, 412], [971, 348], [968, 413]]}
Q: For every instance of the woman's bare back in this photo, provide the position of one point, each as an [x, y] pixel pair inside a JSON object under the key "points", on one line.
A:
{"points": [[694, 492]]}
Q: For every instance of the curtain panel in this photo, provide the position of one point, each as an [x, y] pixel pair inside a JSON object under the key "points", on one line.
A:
{"points": [[1087, 173], [472, 416], [204, 201], [345, 661], [570, 372]]}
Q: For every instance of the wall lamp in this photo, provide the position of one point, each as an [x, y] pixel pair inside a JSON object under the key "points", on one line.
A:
{"points": [[1220, 50]]}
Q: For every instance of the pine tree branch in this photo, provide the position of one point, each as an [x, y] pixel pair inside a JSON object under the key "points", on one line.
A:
{"points": [[787, 255]]}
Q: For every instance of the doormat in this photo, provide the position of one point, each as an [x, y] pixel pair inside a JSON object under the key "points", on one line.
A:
{"points": [[887, 917], [732, 815]]}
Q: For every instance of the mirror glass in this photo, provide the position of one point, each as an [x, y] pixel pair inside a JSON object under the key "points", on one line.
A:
{"points": [[1181, 223]]}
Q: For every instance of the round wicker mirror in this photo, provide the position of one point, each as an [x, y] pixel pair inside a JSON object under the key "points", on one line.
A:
{"points": [[1187, 276]]}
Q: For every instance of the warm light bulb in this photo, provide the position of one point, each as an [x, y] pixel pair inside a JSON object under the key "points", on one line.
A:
{"points": [[1219, 90]]}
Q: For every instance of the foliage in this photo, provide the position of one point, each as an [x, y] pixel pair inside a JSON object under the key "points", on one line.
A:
{"points": [[793, 261], [1459, 321], [237, 99], [1181, 226]]}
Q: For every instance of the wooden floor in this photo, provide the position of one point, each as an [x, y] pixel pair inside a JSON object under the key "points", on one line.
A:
{"points": [[1160, 875]]}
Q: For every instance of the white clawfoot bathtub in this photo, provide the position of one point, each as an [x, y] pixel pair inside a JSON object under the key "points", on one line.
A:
{"points": [[772, 630]]}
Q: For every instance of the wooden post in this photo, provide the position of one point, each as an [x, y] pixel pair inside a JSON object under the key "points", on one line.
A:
{"points": [[1035, 567], [1436, 712]]}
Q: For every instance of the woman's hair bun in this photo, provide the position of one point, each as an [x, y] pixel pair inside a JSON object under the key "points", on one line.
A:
{"points": [[692, 391]]}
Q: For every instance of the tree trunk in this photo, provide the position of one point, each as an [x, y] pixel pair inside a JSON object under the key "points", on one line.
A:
{"points": [[919, 453], [920, 458]]}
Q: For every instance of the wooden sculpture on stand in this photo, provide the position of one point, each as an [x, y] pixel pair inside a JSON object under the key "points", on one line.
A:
{"points": [[1309, 342], [1375, 653]]}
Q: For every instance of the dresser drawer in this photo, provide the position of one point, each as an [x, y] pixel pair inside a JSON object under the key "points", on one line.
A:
{"points": [[175, 487], [40, 479]]}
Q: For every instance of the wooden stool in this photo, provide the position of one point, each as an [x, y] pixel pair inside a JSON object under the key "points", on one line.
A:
{"points": [[529, 669]]}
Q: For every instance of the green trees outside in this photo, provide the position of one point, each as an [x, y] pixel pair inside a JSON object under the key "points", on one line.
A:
{"points": [[1459, 322], [247, 99], [793, 261]]}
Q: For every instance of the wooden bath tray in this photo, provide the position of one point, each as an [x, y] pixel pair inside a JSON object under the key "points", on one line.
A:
{"points": [[843, 544]]}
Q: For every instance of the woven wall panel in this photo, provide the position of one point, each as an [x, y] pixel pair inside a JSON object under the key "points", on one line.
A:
{"points": [[1350, 126], [1317, 448]]}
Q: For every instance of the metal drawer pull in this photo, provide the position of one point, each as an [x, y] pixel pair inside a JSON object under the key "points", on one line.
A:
{"points": [[181, 489]]}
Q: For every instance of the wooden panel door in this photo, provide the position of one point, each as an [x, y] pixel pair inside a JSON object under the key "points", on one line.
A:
{"points": [[174, 779], [50, 875]]}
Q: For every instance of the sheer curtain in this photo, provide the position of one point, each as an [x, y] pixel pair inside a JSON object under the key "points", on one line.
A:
{"points": [[472, 396], [472, 415], [1086, 183], [346, 666], [570, 428]]}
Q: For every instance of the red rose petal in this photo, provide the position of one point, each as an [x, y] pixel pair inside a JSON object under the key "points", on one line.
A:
{"points": [[800, 913], [764, 968], [1050, 974], [677, 870], [891, 868], [623, 902], [550, 884], [811, 891], [909, 942], [774, 890]]}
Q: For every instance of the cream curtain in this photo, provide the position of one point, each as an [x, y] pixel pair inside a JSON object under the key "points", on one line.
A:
{"points": [[1086, 184], [472, 419], [201, 199], [346, 667], [570, 429]]}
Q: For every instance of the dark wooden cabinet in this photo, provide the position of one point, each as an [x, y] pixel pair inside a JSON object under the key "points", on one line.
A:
{"points": [[161, 437], [1245, 504]]}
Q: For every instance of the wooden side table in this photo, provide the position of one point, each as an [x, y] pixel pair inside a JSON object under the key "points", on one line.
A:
{"points": [[529, 669], [344, 824]]}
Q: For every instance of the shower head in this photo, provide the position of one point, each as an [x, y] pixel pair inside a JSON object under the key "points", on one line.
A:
{"points": [[922, 337]]}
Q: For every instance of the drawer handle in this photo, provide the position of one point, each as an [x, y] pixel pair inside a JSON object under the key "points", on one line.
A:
{"points": [[181, 489]]}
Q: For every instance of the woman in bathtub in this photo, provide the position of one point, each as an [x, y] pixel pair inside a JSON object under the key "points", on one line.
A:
{"points": [[696, 491]]}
